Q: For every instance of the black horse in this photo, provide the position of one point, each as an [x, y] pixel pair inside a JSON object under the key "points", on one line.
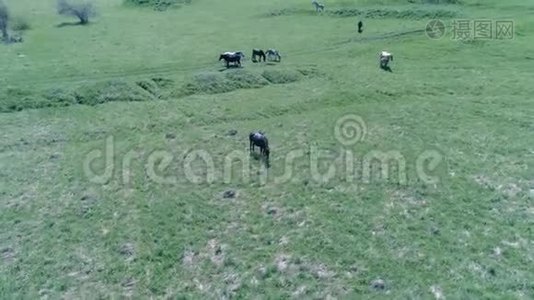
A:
{"points": [[259, 139], [258, 52], [232, 57]]}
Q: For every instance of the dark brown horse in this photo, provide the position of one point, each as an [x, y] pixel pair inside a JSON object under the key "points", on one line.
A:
{"points": [[232, 57], [256, 53], [259, 139]]}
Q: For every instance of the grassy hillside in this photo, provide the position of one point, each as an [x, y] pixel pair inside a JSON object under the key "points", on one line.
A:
{"points": [[146, 85]]}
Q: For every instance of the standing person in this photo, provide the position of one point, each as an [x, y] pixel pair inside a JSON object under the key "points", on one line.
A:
{"points": [[360, 25]]}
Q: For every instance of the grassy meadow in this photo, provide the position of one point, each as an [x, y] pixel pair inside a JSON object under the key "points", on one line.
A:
{"points": [[147, 85]]}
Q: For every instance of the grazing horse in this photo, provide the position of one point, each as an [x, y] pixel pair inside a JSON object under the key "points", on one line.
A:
{"points": [[257, 52], [235, 53], [259, 139], [318, 6], [384, 58], [232, 57], [273, 53]]}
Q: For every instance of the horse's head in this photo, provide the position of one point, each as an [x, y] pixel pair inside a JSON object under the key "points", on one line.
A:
{"points": [[221, 56]]}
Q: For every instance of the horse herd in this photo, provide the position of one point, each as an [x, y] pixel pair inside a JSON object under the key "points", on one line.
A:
{"points": [[236, 57], [259, 138]]}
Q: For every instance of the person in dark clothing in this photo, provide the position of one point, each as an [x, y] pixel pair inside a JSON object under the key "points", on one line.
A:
{"points": [[360, 25]]}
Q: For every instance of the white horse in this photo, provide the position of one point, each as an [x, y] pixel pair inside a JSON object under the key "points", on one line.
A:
{"points": [[273, 54], [384, 58]]}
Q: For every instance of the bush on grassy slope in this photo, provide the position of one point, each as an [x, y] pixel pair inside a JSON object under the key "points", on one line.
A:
{"points": [[215, 83], [109, 91], [281, 76], [16, 99], [157, 4]]}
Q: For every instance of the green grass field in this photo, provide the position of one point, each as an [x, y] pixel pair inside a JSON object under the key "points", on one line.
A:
{"points": [[147, 86]]}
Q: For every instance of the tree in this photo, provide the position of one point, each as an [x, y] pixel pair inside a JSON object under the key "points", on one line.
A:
{"points": [[4, 20], [81, 10]]}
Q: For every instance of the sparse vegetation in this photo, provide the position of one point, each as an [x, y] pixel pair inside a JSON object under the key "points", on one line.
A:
{"points": [[160, 5], [439, 1], [20, 24], [425, 13], [384, 13]]}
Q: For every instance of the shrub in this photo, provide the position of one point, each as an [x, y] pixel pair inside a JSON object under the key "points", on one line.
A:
{"points": [[20, 24], [157, 4], [4, 20], [281, 76], [109, 91], [215, 83], [59, 97], [81, 10]]}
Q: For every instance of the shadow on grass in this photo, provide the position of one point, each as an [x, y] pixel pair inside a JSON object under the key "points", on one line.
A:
{"points": [[65, 24], [230, 67], [259, 157], [386, 68]]}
